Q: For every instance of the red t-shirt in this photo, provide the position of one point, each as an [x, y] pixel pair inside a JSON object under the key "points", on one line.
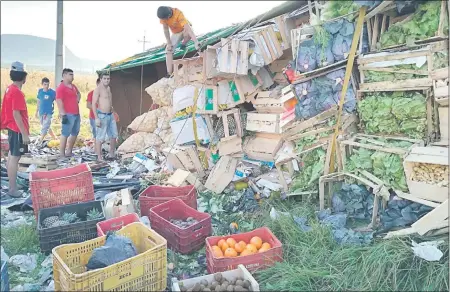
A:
{"points": [[14, 100], [89, 99], [69, 98]]}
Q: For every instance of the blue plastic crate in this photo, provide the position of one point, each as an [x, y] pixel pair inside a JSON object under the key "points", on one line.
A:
{"points": [[4, 277]]}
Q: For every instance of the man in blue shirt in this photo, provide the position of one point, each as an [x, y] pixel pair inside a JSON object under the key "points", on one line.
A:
{"points": [[44, 111]]}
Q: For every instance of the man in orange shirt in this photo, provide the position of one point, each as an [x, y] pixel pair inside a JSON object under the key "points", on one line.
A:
{"points": [[181, 30]]}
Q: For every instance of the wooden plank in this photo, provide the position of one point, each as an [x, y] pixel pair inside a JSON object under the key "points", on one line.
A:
{"points": [[380, 8], [390, 70], [243, 59], [415, 199], [375, 31], [224, 54], [392, 56], [376, 148], [410, 84], [222, 174], [432, 219], [231, 145], [234, 56], [178, 177], [439, 73], [310, 133]]}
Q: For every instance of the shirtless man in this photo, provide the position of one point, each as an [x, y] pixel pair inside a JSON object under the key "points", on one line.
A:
{"points": [[104, 118]]}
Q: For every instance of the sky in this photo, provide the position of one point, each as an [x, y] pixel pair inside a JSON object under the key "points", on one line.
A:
{"points": [[109, 30]]}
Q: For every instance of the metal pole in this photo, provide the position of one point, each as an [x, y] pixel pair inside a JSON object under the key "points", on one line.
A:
{"points": [[59, 49]]}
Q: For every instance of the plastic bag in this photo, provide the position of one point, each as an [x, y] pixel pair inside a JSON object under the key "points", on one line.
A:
{"points": [[116, 249], [347, 29], [333, 27], [306, 56], [341, 46]]}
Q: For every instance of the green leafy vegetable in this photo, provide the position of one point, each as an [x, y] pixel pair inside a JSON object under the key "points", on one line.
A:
{"points": [[335, 9], [394, 113], [386, 166], [374, 76], [423, 24]]}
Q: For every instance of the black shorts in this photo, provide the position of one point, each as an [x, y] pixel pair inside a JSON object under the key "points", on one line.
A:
{"points": [[15, 142]]}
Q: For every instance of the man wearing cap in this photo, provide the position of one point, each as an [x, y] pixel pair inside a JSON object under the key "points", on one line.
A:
{"points": [[181, 30], [67, 99], [14, 117]]}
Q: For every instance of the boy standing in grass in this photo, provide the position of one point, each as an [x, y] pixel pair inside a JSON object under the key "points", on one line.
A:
{"points": [[44, 111], [67, 99], [14, 117], [91, 112]]}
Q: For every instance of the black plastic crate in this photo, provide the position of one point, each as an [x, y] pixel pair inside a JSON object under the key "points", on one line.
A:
{"points": [[72, 233]]}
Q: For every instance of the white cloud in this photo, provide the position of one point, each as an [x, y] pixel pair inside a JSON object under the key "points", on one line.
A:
{"points": [[110, 30]]}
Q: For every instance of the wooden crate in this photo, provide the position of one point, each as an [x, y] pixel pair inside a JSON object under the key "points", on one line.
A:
{"points": [[264, 103], [443, 127], [284, 26], [188, 70], [380, 19], [222, 174], [246, 87], [298, 35], [262, 147], [345, 147], [328, 182], [384, 62], [432, 128], [210, 63], [268, 43], [207, 99], [269, 123], [43, 163], [440, 85], [233, 56], [240, 272], [184, 157], [427, 155]]}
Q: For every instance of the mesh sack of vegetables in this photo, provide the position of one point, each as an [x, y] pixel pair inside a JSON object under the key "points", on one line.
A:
{"points": [[303, 89], [116, 249], [324, 55], [333, 27], [349, 100], [347, 28], [341, 46], [305, 108], [337, 77], [306, 56]]}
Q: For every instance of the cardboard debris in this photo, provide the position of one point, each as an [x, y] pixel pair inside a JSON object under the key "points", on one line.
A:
{"points": [[118, 204], [222, 174]]}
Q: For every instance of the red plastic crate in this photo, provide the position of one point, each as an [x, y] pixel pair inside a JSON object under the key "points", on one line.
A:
{"points": [[114, 224], [155, 195], [183, 240], [258, 261], [60, 187]]}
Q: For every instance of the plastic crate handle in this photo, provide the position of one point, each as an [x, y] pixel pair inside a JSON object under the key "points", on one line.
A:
{"points": [[117, 224], [152, 240], [200, 226]]}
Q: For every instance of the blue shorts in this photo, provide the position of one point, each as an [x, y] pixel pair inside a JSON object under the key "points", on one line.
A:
{"points": [[108, 127], [46, 121], [93, 127], [72, 127]]}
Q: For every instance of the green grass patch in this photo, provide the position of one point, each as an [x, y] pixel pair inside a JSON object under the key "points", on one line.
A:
{"points": [[21, 240], [313, 261]]}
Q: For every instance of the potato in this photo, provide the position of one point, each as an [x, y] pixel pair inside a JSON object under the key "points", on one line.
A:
{"points": [[230, 288], [240, 283], [214, 284], [226, 283], [204, 282], [202, 287], [206, 289], [246, 284], [233, 282], [197, 287], [218, 288], [238, 288], [218, 277]]}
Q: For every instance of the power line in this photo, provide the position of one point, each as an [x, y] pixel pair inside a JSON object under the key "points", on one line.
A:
{"points": [[143, 41]]}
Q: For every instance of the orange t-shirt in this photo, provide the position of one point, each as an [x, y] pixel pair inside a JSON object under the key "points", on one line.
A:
{"points": [[176, 22]]}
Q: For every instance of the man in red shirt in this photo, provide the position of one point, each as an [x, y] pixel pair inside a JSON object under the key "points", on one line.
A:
{"points": [[67, 99], [14, 117], [91, 113]]}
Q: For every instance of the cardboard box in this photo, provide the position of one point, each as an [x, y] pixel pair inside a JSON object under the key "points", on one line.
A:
{"points": [[119, 203]]}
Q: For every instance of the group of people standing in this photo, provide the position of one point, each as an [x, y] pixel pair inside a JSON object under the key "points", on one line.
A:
{"points": [[14, 117]]}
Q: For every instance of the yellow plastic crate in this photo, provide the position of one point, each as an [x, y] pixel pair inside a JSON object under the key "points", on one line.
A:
{"points": [[145, 272]]}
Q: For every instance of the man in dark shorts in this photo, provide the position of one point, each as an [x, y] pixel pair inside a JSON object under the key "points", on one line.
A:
{"points": [[14, 117]]}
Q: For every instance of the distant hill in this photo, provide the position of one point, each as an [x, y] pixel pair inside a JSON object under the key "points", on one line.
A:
{"points": [[39, 54]]}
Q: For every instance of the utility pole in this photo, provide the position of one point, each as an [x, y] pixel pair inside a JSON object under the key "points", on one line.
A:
{"points": [[143, 42], [59, 49]]}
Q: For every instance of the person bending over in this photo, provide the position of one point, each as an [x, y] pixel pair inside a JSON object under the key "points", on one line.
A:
{"points": [[181, 28]]}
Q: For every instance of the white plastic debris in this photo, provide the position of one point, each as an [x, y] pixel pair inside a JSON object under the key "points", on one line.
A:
{"points": [[274, 214], [26, 263], [428, 250]]}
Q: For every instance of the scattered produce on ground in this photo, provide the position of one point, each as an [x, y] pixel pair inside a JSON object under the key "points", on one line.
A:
{"points": [[220, 283]]}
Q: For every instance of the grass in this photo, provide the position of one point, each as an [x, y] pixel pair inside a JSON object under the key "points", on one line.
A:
{"points": [[21, 240], [313, 261], [85, 83]]}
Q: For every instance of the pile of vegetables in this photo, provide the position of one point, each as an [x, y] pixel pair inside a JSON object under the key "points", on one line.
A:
{"points": [[394, 113], [313, 162], [335, 9], [424, 24], [434, 174], [386, 166]]}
